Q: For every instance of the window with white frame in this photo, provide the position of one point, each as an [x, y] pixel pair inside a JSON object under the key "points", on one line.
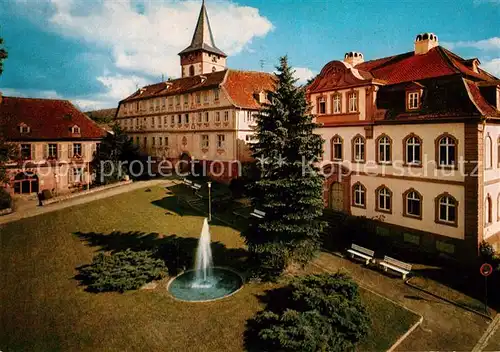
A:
{"points": [[337, 148], [170, 102], [413, 150], [384, 150], [353, 101], [216, 94], [199, 117], [77, 174], [23, 128], [75, 129], [447, 209], [26, 151], [204, 141], [186, 99], [160, 141], [359, 149], [152, 122], [52, 150], [413, 100], [198, 98], [186, 118], [322, 105], [77, 150], [488, 159], [413, 204], [359, 193], [207, 117], [153, 141], [172, 119], [337, 103], [221, 141], [217, 116], [447, 151], [179, 119], [384, 199], [205, 97], [177, 100], [226, 116]]}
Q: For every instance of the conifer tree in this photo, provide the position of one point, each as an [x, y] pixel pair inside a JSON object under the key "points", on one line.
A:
{"points": [[289, 190]]}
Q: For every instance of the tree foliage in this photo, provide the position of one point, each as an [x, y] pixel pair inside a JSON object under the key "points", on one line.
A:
{"points": [[289, 190], [313, 313], [116, 152], [121, 271], [3, 55]]}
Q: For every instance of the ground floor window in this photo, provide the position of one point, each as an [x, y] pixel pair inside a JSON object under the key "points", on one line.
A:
{"points": [[25, 183]]}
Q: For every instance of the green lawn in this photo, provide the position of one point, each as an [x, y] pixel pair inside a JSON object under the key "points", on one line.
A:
{"points": [[42, 307]]}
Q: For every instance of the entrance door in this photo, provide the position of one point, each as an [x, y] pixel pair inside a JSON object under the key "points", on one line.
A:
{"points": [[337, 197]]}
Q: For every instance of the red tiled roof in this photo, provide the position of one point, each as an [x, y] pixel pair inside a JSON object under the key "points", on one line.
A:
{"points": [[240, 85], [243, 85], [47, 119], [483, 106], [410, 67]]}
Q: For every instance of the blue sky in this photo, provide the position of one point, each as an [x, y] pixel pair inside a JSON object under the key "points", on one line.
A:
{"points": [[96, 52]]}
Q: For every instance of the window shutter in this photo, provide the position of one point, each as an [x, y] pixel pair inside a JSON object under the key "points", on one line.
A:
{"points": [[84, 147], [70, 176], [33, 152], [59, 151], [70, 151]]}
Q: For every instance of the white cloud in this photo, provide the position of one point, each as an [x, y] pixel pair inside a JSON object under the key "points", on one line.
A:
{"points": [[490, 44], [148, 41], [303, 74], [144, 43], [492, 66]]}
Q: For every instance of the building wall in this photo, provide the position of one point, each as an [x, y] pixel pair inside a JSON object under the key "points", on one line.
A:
{"points": [[345, 115], [429, 180], [54, 173], [491, 181]]}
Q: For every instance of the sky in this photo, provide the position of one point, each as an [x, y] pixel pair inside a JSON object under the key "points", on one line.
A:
{"points": [[97, 52]]}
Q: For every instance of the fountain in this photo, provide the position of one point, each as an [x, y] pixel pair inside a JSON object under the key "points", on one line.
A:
{"points": [[205, 282]]}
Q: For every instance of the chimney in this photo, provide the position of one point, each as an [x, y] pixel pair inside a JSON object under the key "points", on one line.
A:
{"points": [[425, 42], [353, 58]]}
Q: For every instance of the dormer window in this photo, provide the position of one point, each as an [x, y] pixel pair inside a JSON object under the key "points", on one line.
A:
{"points": [[353, 102], [413, 100], [24, 128], [75, 129], [321, 105]]}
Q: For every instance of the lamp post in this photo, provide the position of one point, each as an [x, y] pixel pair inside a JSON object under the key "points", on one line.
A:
{"points": [[209, 184]]}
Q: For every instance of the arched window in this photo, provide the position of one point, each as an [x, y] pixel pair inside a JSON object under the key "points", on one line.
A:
{"points": [[384, 152], [321, 105], [488, 160], [358, 149], [191, 70], [413, 150], [446, 148], [384, 199], [412, 204], [359, 195], [446, 209], [337, 149], [488, 218]]}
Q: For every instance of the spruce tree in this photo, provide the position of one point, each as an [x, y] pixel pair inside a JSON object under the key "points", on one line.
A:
{"points": [[289, 190]]}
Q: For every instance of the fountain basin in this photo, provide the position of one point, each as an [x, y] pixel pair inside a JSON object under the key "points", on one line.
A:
{"points": [[222, 283]]}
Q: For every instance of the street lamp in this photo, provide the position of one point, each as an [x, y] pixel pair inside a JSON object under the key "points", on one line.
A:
{"points": [[209, 184]]}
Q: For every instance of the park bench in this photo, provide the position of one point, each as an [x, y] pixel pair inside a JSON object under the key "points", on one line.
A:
{"points": [[362, 252], [396, 265], [258, 213]]}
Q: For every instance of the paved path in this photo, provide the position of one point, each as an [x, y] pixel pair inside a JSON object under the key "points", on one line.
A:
{"points": [[37, 210], [482, 344], [445, 327]]}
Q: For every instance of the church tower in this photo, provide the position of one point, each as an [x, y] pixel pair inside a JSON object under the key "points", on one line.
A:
{"points": [[202, 56]]}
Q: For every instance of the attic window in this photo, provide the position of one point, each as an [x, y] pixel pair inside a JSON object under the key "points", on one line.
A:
{"points": [[413, 100], [75, 129], [24, 128]]}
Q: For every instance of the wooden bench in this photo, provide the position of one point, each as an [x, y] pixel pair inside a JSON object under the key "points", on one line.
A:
{"points": [[362, 252], [396, 265], [258, 213]]}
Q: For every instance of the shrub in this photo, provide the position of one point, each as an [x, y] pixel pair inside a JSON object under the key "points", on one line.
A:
{"points": [[313, 313], [5, 199], [121, 271]]}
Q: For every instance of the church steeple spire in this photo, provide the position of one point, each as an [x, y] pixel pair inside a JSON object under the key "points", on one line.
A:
{"points": [[202, 55]]}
